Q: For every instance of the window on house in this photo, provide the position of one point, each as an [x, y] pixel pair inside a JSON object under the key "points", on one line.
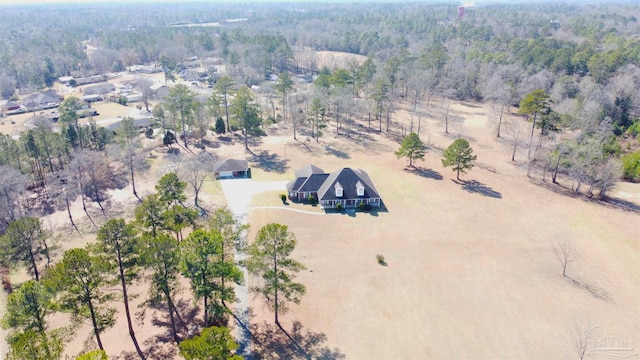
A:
{"points": [[360, 189], [339, 190]]}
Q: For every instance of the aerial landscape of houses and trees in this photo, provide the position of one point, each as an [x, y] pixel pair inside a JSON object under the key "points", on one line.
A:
{"points": [[320, 180]]}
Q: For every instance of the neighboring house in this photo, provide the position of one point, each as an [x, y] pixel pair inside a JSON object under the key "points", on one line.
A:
{"points": [[231, 169], [134, 97], [140, 123], [43, 100], [99, 89], [348, 187], [159, 90], [53, 115], [145, 69], [65, 80], [92, 98], [89, 80], [306, 78], [11, 106]]}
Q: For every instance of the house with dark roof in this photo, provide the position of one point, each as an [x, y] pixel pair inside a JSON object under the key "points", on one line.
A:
{"points": [[347, 187], [231, 169]]}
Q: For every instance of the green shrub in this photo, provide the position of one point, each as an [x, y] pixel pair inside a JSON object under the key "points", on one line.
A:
{"points": [[339, 206], [169, 138], [634, 129], [311, 199], [220, 127], [631, 166], [283, 197], [381, 260], [364, 207]]}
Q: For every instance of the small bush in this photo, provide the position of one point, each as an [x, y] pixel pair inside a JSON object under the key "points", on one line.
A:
{"points": [[364, 207], [283, 197], [169, 138], [380, 259], [339, 206], [148, 133], [634, 129], [631, 166], [311, 199]]}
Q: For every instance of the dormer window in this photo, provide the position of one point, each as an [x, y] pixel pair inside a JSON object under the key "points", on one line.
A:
{"points": [[339, 190], [360, 189]]}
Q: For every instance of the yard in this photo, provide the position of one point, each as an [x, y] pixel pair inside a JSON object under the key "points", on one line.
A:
{"points": [[471, 271], [471, 268]]}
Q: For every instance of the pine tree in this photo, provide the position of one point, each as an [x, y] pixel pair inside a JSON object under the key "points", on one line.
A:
{"points": [[459, 156]]}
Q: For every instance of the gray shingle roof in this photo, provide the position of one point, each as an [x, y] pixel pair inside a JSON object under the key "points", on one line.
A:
{"points": [[348, 178], [231, 165], [313, 182], [295, 184], [308, 170]]}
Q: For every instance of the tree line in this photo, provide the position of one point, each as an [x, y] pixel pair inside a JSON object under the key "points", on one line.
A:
{"points": [[85, 282]]}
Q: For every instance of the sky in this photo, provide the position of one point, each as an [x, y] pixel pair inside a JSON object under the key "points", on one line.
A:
{"points": [[51, 2]]}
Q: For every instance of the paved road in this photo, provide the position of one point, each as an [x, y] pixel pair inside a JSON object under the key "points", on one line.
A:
{"points": [[238, 193]]}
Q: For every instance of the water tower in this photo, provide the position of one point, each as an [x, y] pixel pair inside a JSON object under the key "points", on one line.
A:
{"points": [[460, 12]]}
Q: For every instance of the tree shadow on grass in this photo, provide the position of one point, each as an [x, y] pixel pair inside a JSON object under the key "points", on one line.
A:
{"points": [[162, 346], [614, 203], [425, 173], [269, 341], [477, 187], [595, 291], [328, 150], [269, 162]]}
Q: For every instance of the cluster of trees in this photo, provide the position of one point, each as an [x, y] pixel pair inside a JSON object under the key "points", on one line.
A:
{"points": [[584, 58], [182, 111], [459, 155], [585, 149], [83, 281], [45, 170]]}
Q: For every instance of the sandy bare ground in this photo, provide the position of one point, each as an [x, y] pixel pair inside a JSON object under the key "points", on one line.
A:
{"points": [[331, 59], [471, 270]]}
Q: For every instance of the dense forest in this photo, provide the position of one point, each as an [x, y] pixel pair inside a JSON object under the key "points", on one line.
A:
{"points": [[571, 70]]}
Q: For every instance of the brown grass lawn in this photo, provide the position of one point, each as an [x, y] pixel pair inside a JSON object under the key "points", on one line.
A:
{"points": [[471, 269], [471, 272]]}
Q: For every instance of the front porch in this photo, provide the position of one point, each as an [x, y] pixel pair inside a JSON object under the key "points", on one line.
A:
{"points": [[349, 203]]}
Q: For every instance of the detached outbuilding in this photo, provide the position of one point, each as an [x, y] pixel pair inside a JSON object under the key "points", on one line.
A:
{"points": [[231, 169]]}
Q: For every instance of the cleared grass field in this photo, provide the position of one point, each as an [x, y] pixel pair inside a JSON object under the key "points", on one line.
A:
{"points": [[471, 268], [471, 272]]}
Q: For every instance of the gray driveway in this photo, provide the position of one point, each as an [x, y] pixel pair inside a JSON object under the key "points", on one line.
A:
{"points": [[238, 193]]}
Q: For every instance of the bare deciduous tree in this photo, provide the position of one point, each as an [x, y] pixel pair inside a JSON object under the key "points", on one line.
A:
{"points": [[196, 170], [514, 129], [581, 340], [144, 86], [565, 253]]}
